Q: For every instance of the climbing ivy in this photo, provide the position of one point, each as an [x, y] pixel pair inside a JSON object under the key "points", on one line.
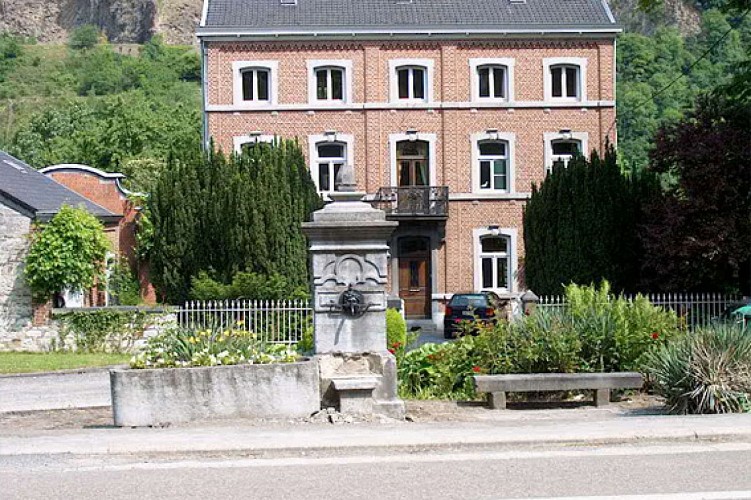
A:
{"points": [[67, 252]]}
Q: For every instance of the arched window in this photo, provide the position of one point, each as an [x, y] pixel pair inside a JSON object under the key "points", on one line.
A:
{"points": [[255, 84], [329, 81], [412, 82], [493, 165], [494, 262], [331, 157], [492, 81], [565, 81], [563, 151]]}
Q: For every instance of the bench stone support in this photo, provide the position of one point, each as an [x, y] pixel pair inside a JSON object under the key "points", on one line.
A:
{"points": [[497, 400], [602, 397]]}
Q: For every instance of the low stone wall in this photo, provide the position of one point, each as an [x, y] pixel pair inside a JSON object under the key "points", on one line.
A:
{"points": [[170, 395]]}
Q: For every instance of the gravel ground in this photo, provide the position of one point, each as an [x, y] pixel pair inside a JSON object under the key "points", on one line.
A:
{"points": [[417, 411]]}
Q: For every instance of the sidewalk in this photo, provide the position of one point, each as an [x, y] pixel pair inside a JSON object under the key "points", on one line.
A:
{"points": [[258, 440]]}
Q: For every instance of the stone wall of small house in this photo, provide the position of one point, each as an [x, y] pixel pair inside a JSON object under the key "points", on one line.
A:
{"points": [[18, 329]]}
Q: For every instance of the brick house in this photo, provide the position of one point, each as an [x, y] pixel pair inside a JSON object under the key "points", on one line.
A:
{"points": [[447, 111]]}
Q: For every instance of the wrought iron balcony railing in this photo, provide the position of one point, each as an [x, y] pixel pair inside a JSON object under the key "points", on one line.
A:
{"points": [[414, 202]]}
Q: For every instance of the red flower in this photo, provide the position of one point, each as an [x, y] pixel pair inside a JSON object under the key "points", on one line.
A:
{"points": [[476, 369], [396, 345], [392, 351], [655, 335]]}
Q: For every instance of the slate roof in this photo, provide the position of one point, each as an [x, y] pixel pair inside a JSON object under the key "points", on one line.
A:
{"points": [[236, 15], [36, 194]]}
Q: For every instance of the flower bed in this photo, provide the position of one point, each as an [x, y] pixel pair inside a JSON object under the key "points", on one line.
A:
{"points": [[187, 375]]}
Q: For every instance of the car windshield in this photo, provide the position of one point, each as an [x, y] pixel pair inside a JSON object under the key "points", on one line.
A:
{"points": [[471, 300]]}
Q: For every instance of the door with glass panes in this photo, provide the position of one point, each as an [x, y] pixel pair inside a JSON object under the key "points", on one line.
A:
{"points": [[414, 276]]}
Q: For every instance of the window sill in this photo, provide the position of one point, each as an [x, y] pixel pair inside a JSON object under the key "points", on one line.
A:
{"points": [[488, 196]]}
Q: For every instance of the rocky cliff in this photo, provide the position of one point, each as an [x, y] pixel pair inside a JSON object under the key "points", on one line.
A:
{"points": [[134, 21], [122, 21]]}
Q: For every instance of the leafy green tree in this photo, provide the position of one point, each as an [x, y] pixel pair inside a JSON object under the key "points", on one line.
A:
{"points": [[226, 215], [697, 236], [84, 37], [67, 252], [580, 225]]}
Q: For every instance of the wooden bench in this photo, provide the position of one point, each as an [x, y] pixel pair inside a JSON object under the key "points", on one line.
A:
{"points": [[496, 386]]}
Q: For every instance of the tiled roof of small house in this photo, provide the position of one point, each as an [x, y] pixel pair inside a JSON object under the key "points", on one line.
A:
{"points": [[30, 191], [403, 15]]}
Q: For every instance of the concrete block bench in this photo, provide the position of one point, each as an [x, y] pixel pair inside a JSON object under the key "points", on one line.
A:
{"points": [[496, 386], [355, 393]]}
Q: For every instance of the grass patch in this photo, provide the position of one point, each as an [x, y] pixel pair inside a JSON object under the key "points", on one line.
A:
{"points": [[28, 362]]}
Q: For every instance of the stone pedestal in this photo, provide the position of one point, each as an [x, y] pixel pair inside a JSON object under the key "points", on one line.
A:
{"points": [[349, 253]]}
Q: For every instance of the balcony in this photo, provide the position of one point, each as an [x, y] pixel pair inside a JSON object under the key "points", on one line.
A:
{"points": [[413, 202]]}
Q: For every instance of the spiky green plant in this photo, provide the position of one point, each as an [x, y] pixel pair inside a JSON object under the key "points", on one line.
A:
{"points": [[705, 372]]}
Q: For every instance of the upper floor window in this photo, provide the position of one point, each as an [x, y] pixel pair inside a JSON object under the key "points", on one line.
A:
{"points": [[331, 158], [329, 84], [560, 148], [328, 155], [493, 162], [565, 79], [329, 81], [491, 79], [493, 165], [411, 80], [254, 82]]}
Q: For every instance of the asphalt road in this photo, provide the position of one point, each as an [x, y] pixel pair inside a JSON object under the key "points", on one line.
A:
{"points": [[659, 471]]}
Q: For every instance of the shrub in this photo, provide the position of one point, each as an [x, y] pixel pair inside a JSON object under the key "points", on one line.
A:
{"points": [[708, 371], [181, 347], [123, 284], [101, 330], [246, 285], [84, 37], [67, 252], [396, 329]]}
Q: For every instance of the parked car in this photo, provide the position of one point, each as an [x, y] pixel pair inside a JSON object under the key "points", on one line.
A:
{"points": [[469, 307]]}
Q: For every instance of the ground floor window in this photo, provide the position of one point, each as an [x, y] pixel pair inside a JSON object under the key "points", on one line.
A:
{"points": [[495, 254]]}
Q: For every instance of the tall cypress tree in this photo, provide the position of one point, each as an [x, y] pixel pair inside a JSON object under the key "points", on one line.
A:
{"points": [[580, 226], [223, 215]]}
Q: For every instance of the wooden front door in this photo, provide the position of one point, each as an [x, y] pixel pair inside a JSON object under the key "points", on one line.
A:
{"points": [[414, 276]]}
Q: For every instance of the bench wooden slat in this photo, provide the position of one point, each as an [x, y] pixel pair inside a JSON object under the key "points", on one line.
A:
{"points": [[533, 382]]}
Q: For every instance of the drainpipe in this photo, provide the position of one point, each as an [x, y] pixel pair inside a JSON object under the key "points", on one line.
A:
{"points": [[204, 94]]}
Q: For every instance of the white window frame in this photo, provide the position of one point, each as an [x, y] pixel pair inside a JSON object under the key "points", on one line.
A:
{"points": [[237, 83], [474, 65], [431, 139], [314, 140], [343, 64], [240, 140], [511, 234], [581, 62], [549, 137], [395, 64], [510, 139]]}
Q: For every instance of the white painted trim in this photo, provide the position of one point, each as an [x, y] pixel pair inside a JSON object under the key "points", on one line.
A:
{"points": [[77, 167], [510, 139], [609, 12], [509, 232], [507, 62], [430, 139], [240, 140], [314, 64], [397, 33], [581, 62], [349, 151], [549, 137], [398, 105], [428, 64], [489, 196], [205, 13], [237, 84]]}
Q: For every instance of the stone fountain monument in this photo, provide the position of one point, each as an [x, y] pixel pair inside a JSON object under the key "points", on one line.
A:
{"points": [[349, 252]]}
